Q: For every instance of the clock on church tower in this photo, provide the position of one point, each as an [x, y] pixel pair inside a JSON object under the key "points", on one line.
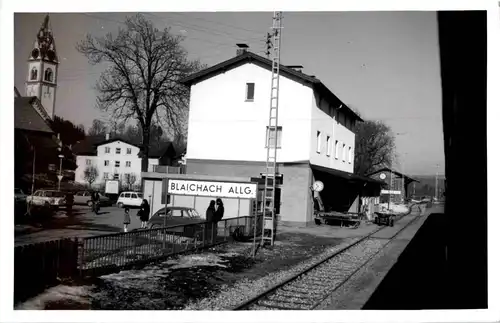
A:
{"points": [[42, 68]]}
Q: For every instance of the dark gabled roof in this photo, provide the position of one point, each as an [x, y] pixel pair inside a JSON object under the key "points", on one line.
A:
{"points": [[246, 57], [104, 142], [88, 147], [386, 169], [346, 175], [27, 118]]}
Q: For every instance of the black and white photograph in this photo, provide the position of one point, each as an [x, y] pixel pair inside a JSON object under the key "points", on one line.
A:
{"points": [[259, 157]]}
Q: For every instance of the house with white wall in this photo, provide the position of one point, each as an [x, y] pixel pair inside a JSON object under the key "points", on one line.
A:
{"points": [[228, 133], [117, 159]]}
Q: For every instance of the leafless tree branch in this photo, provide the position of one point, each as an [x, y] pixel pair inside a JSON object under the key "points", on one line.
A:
{"points": [[141, 82]]}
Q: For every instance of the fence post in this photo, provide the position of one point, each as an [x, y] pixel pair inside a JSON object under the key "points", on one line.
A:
{"points": [[203, 234], [225, 231]]}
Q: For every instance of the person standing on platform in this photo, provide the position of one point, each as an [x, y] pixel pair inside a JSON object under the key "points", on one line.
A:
{"points": [[144, 214], [126, 219], [210, 217], [219, 214]]}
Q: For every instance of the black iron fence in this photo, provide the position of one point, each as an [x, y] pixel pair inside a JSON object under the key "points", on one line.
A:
{"points": [[40, 265], [114, 251]]}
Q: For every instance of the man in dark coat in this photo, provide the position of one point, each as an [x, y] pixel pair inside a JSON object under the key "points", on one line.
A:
{"points": [[209, 227], [144, 213], [219, 213]]}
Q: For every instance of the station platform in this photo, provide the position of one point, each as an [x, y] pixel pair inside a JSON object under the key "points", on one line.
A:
{"points": [[392, 279]]}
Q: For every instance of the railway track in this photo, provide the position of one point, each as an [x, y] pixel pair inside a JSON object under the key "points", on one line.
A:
{"points": [[309, 288]]}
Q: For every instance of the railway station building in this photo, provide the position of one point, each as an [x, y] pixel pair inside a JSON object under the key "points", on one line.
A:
{"points": [[228, 136], [400, 188]]}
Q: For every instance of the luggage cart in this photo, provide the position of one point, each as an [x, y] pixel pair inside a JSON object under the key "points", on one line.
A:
{"points": [[384, 219], [352, 220]]}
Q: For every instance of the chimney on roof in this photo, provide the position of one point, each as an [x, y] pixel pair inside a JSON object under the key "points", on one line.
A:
{"points": [[297, 68], [242, 49], [107, 136]]}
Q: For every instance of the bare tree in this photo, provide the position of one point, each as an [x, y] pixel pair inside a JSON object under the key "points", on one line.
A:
{"points": [[116, 127], [156, 134], [179, 143], [374, 147], [130, 180], [90, 174], [141, 81], [98, 128]]}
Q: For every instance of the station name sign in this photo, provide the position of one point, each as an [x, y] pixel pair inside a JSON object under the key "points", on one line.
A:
{"points": [[212, 189], [390, 192]]}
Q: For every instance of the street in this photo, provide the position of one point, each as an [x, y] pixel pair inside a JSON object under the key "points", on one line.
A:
{"points": [[81, 224]]}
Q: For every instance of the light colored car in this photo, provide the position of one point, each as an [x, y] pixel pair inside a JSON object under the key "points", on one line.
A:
{"points": [[52, 198], [133, 199], [175, 215], [19, 195], [85, 198]]}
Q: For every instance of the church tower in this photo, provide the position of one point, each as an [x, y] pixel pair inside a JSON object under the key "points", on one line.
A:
{"points": [[42, 69]]}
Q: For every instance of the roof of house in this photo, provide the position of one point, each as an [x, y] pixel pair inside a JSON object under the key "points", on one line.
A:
{"points": [[246, 57], [386, 169], [88, 147], [346, 175], [26, 117]]}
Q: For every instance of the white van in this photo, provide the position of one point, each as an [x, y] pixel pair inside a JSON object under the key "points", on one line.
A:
{"points": [[129, 199]]}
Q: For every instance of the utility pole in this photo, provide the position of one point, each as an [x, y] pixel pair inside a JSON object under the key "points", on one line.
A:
{"points": [[404, 178], [390, 188], [269, 212], [436, 188], [61, 156]]}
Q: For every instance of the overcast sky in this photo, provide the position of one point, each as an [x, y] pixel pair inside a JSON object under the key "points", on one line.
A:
{"points": [[383, 64]]}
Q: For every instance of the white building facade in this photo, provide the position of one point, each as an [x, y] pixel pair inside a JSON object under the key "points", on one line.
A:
{"points": [[114, 159], [225, 125], [227, 132]]}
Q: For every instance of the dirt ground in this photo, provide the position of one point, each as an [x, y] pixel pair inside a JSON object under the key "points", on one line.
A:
{"points": [[185, 279]]}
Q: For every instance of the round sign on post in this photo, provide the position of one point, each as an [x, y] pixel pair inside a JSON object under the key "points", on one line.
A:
{"points": [[318, 186], [59, 177], [382, 176]]}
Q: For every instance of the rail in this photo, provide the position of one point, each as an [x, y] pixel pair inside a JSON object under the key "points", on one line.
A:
{"points": [[279, 293]]}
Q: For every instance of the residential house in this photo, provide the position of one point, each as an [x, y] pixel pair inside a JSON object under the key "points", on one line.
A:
{"points": [[228, 134], [118, 159]]}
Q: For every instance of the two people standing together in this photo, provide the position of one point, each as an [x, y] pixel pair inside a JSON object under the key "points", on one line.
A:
{"points": [[214, 214], [143, 215]]}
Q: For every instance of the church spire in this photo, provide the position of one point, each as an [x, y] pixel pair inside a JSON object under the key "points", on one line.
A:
{"points": [[44, 47], [43, 63]]}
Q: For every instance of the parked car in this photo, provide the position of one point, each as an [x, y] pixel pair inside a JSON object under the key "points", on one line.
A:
{"points": [[19, 195], [133, 199], [85, 198], [53, 198], [174, 215]]}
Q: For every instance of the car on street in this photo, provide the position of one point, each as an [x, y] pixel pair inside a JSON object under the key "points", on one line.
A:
{"points": [[52, 198], [178, 216], [131, 199], [19, 195], [174, 215], [85, 198]]}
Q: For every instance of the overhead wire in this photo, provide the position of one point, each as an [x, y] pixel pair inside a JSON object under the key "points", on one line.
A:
{"points": [[217, 33], [214, 43], [219, 23], [204, 29]]}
